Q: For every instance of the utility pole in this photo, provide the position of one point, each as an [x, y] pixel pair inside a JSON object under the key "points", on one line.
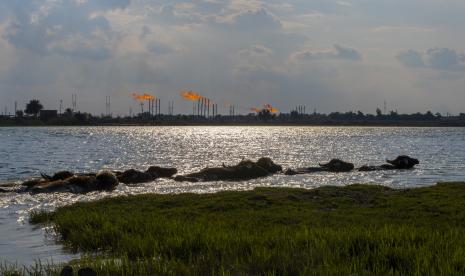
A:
{"points": [[74, 102], [61, 107], [153, 106], [16, 108], [107, 106]]}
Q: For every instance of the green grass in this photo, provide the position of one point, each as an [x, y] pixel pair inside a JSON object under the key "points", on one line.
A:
{"points": [[357, 229]]}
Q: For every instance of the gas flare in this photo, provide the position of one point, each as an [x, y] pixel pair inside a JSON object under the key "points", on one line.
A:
{"points": [[191, 95], [271, 108], [268, 107], [143, 97]]}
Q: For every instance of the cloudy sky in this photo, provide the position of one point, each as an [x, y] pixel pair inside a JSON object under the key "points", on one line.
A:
{"points": [[326, 54]]}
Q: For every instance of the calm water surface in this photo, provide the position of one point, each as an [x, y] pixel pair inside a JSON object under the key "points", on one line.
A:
{"points": [[25, 152]]}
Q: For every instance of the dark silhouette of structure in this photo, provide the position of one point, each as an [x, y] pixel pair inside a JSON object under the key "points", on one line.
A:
{"points": [[46, 115], [33, 107]]}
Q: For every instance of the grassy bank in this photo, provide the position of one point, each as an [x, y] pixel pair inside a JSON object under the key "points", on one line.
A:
{"points": [[329, 230]]}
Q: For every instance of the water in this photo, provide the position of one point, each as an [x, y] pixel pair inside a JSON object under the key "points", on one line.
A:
{"points": [[26, 152]]}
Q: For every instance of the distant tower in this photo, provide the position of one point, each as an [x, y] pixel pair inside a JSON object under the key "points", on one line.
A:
{"points": [[61, 106], [385, 107], [107, 106], [16, 108], [74, 102]]}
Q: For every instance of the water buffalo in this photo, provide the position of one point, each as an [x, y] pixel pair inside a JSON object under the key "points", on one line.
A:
{"points": [[156, 171], [402, 162], [103, 181], [335, 165], [245, 170], [61, 175], [132, 176]]}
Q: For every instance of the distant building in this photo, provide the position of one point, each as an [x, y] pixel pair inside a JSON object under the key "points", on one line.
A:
{"points": [[46, 115]]}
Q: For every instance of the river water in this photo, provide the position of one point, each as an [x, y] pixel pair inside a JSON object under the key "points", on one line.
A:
{"points": [[25, 152]]}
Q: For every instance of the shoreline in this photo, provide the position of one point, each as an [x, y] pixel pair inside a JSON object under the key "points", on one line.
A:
{"points": [[261, 124]]}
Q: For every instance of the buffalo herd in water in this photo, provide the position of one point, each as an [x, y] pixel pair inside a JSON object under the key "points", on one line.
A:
{"points": [[66, 181]]}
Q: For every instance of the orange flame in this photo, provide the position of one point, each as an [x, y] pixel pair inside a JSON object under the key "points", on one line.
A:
{"points": [[270, 108], [143, 97], [191, 95]]}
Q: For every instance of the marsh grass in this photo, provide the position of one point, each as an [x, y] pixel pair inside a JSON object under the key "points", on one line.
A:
{"points": [[357, 229]]}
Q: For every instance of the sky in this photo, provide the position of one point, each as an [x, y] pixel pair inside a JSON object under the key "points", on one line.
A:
{"points": [[329, 55]]}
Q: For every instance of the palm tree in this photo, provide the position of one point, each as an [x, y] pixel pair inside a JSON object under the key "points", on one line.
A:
{"points": [[33, 107]]}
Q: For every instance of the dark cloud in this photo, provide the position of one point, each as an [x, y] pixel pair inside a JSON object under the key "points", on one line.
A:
{"points": [[444, 59], [346, 53], [338, 52], [411, 58], [435, 58]]}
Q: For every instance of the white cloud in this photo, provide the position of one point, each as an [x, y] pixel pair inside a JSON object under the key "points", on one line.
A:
{"points": [[66, 27], [256, 50]]}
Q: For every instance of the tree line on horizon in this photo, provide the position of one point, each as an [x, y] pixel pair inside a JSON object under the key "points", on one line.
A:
{"points": [[34, 107]]}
